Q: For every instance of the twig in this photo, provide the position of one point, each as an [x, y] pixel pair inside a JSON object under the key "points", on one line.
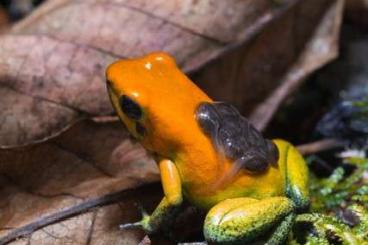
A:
{"points": [[105, 119], [70, 212], [320, 145]]}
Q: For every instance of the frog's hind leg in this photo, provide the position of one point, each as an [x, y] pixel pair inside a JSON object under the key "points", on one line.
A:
{"points": [[295, 172], [241, 220]]}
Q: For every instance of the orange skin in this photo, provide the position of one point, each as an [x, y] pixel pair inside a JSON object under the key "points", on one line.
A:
{"points": [[169, 101]]}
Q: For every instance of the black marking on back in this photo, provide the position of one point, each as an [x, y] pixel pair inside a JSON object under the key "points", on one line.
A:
{"points": [[236, 137]]}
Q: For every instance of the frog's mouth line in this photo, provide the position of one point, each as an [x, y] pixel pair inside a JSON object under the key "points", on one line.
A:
{"points": [[113, 98]]}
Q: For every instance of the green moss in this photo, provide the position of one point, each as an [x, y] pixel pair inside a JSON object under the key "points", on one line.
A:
{"points": [[331, 197]]}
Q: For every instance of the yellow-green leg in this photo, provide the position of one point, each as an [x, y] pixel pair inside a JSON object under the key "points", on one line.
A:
{"points": [[242, 220], [166, 211], [295, 172], [281, 233]]}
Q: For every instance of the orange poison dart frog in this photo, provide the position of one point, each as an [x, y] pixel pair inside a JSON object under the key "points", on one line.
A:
{"points": [[208, 154]]}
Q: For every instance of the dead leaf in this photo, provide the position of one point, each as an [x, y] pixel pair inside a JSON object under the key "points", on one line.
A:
{"points": [[48, 86], [258, 76], [356, 11], [4, 20], [97, 226], [57, 56], [320, 48], [83, 168]]}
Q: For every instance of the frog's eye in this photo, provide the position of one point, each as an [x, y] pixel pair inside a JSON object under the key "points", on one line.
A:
{"points": [[130, 108]]}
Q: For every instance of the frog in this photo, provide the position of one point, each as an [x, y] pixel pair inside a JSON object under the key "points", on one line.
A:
{"points": [[208, 155]]}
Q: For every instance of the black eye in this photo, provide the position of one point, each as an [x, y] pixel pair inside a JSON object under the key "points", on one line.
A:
{"points": [[130, 108]]}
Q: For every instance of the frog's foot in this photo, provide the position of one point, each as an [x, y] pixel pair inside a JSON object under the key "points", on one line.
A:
{"points": [[241, 220], [143, 224]]}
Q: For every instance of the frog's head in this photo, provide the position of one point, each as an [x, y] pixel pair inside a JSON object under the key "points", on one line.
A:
{"points": [[130, 84], [152, 96]]}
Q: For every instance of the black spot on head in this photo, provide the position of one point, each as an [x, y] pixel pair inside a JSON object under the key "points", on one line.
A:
{"points": [[130, 108]]}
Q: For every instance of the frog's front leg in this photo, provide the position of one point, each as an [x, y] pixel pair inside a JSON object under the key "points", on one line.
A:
{"points": [[242, 220], [168, 206]]}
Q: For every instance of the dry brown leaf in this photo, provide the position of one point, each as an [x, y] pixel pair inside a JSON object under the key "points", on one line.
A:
{"points": [[259, 75], [55, 58], [83, 168], [98, 225], [320, 48], [356, 11], [4, 20]]}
